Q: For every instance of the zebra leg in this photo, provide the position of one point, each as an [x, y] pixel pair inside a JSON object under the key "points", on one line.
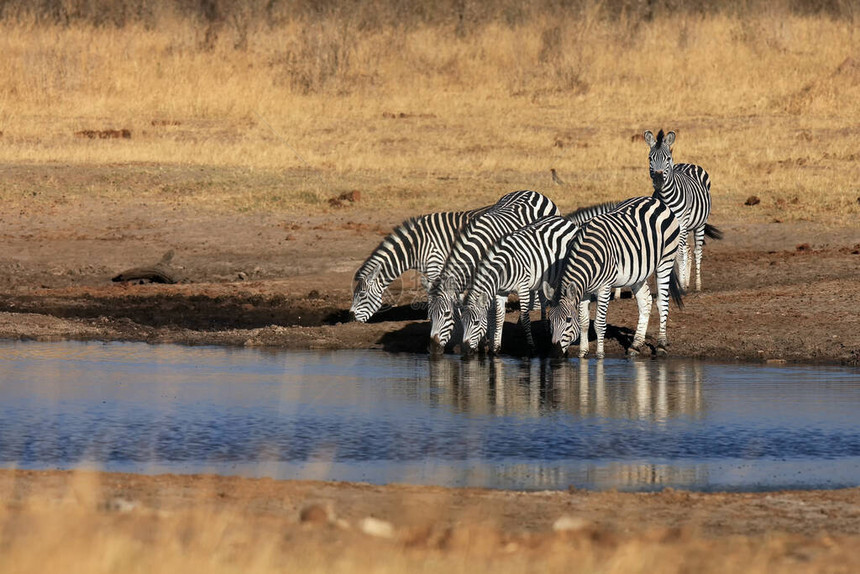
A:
{"points": [[643, 300], [600, 318], [683, 260], [700, 240], [583, 326], [663, 278], [526, 320], [500, 322]]}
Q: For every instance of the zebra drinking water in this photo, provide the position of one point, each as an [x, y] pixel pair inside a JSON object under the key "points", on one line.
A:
{"points": [[421, 243], [686, 189], [621, 248], [519, 262], [511, 212]]}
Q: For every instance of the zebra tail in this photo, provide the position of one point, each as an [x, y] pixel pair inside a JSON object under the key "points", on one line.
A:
{"points": [[675, 289], [713, 232]]}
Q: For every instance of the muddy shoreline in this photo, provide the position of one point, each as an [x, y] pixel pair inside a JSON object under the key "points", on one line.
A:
{"points": [[772, 292]]}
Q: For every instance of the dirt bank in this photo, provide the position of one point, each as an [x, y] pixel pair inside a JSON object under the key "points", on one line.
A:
{"points": [[775, 291]]}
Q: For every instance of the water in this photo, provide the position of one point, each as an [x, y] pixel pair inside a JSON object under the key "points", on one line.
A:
{"points": [[371, 416]]}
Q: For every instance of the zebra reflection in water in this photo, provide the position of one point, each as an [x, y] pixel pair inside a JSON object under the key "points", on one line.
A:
{"points": [[635, 390]]}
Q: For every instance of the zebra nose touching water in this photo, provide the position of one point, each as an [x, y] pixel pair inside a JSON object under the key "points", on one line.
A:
{"points": [[686, 189], [513, 211], [518, 263], [622, 248]]}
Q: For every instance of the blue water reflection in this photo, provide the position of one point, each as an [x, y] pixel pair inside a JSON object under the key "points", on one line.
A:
{"points": [[347, 415]]}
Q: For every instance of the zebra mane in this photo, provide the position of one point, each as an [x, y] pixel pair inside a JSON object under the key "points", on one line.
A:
{"points": [[584, 214], [372, 262], [660, 136]]}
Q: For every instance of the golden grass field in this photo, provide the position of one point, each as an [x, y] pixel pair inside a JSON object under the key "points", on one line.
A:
{"points": [[253, 117], [425, 118]]}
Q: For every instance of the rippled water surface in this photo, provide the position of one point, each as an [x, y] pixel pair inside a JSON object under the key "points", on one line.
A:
{"points": [[371, 416]]}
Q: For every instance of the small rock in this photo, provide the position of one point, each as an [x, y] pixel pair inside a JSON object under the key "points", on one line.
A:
{"points": [[376, 527], [752, 200], [569, 524], [803, 247], [776, 362], [314, 514], [242, 276], [119, 505]]}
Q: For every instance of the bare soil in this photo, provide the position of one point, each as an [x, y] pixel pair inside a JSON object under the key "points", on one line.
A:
{"points": [[772, 291]]}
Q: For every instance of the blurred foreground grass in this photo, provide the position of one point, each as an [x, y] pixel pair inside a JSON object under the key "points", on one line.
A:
{"points": [[100, 523]]}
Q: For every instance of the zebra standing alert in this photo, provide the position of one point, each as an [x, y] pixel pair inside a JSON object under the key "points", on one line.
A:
{"points": [[421, 243], [685, 188], [621, 248], [511, 212]]}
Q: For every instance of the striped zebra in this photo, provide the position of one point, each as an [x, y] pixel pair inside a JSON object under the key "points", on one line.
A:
{"points": [[519, 263], [421, 243], [686, 189], [511, 212], [621, 248]]}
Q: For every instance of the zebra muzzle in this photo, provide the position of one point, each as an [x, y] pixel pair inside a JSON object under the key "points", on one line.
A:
{"points": [[436, 348]]}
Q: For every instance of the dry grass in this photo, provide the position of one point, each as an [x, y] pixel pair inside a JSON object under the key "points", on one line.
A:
{"points": [[101, 523], [425, 118]]}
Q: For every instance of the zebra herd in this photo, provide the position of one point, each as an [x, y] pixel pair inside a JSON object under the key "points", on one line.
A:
{"points": [[470, 261]]}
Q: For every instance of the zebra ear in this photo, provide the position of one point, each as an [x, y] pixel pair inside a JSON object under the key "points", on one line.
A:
{"points": [[669, 139], [649, 138], [548, 290], [566, 291]]}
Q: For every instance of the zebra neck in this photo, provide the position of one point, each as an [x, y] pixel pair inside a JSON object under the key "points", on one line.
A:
{"points": [[398, 253], [586, 272], [668, 189], [486, 282]]}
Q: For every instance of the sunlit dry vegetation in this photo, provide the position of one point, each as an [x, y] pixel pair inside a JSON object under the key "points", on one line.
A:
{"points": [[445, 106], [93, 523]]}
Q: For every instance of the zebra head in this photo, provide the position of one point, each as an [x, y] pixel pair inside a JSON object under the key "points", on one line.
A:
{"points": [[660, 161], [366, 294], [442, 305], [474, 318], [562, 316]]}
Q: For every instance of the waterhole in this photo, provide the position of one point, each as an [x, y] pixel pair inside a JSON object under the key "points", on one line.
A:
{"points": [[382, 418]]}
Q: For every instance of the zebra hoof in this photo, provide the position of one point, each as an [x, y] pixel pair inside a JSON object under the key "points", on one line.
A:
{"points": [[662, 352], [599, 356], [633, 351], [583, 354]]}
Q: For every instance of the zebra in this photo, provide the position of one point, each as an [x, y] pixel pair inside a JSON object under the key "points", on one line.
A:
{"points": [[519, 262], [511, 212], [686, 189], [420, 243], [620, 248]]}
